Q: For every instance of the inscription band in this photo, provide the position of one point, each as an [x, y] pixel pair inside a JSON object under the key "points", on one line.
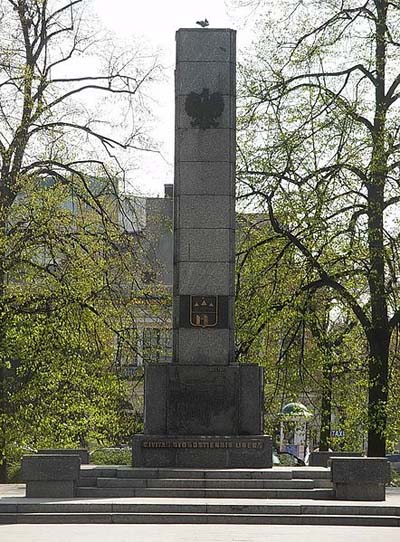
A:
{"points": [[200, 444]]}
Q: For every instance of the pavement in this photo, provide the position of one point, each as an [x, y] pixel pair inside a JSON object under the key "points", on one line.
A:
{"points": [[14, 493], [195, 533]]}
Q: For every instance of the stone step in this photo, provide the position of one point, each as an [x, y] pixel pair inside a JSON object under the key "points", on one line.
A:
{"points": [[169, 506], [277, 473], [90, 481], [258, 519], [204, 483], [112, 492], [311, 472]]}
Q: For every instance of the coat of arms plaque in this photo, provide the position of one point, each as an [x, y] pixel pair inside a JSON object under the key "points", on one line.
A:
{"points": [[203, 310]]}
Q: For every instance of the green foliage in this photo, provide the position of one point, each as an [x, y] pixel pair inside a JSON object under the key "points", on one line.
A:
{"points": [[67, 268], [395, 478], [320, 116], [296, 336], [66, 300], [111, 456]]}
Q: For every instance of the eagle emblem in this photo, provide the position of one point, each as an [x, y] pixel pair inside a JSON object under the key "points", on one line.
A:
{"points": [[204, 108]]}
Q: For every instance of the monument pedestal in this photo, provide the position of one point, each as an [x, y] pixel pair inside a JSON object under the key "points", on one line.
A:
{"points": [[202, 452], [203, 416]]}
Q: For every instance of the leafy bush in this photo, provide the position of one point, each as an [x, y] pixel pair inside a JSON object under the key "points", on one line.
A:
{"points": [[111, 456]]}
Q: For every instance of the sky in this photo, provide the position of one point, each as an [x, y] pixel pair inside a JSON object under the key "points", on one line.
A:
{"points": [[156, 21]]}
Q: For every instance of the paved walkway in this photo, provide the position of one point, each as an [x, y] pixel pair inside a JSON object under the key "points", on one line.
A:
{"points": [[195, 533]]}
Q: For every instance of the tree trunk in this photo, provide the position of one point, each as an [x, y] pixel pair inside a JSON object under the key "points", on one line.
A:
{"points": [[378, 373], [379, 333], [3, 391], [3, 370], [326, 406]]}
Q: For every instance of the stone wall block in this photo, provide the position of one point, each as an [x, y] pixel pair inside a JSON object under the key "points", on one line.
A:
{"points": [[251, 399], [360, 478], [50, 467], [155, 419], [212, 145], [51, 476], [202, 178], [205, 212], [206, 245], [83, 453], [204, 346], [196, 76], [205, 278], [206, 44]]}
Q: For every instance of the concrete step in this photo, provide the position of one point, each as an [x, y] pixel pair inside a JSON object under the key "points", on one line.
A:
{"points": [[264, 519], [168, 506], [311, 472], [277, 473], [111, 492], [130, 472], [204, 483]]}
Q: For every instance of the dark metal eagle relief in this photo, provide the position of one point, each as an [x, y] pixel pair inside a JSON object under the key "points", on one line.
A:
{"points": [[203, 310], [204, 108]]}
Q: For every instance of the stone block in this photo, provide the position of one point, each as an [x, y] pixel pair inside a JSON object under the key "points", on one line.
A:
{"points": [[50, 475], [360, 478], [206, 44], [202, 400], [82, 452], [371, 491], [202, 212], [321, 459], [212, 145], [206, 245], [155, 389], [195, 76], [251, 399], [204, 346], [209, 452], [205, 278], [210, 400], [227, 119], [259, 459], [205, 178], [51, 489], [353, 469], [50, 467]]}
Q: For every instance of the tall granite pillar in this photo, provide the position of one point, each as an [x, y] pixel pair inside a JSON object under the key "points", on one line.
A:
{"points": [[204, 410], [204, 196]]}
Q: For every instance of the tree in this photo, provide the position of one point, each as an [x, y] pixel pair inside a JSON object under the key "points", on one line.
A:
{"points": [[322, 143], [53, 264], [311, 348]]}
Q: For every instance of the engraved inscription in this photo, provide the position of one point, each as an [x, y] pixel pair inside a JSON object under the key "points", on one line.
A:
{"points": [[201, 402], [201, 444], [198, 404]]}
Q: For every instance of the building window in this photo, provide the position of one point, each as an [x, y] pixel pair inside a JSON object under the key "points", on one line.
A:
{"points": [[157, 345]]}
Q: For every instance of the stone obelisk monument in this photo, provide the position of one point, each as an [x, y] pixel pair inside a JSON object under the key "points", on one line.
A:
{"points": [[204, 410]]}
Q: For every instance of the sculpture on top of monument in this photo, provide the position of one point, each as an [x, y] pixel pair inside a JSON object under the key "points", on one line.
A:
{"points": [[203, 24]]}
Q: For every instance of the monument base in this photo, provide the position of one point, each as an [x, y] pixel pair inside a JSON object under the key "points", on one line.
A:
{"points": [[203, 399], [202, 452]]}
